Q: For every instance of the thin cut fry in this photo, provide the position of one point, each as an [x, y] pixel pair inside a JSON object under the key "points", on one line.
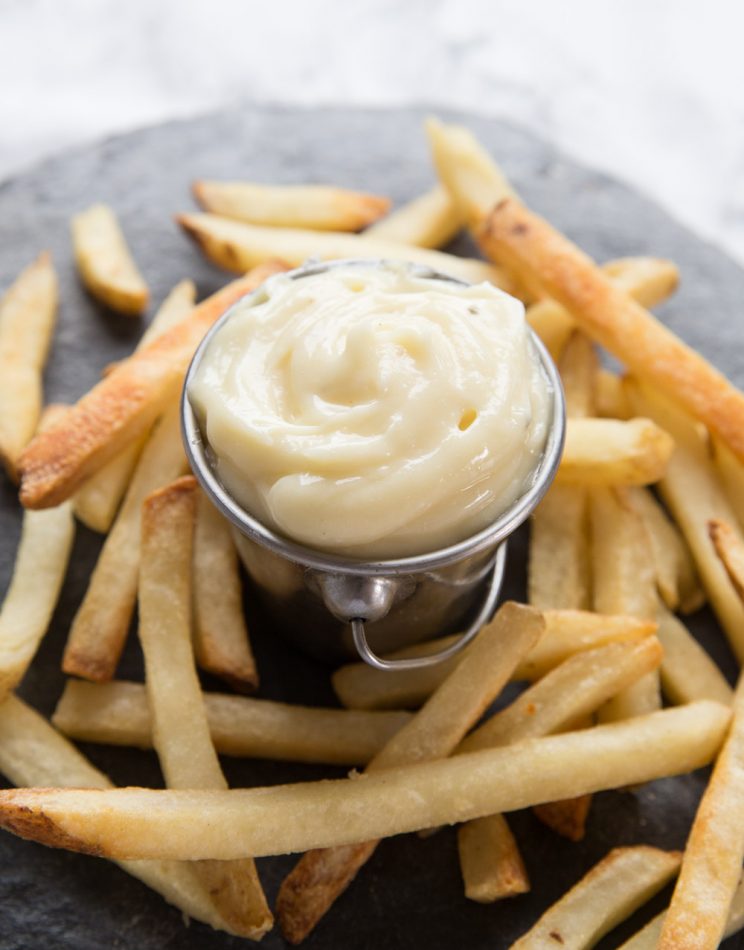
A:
{"points": [[620, 884], [730, 549], [522, 240], [316, 207], [221, 643], [428, 221], [237, 247], [196, 825], [123, 405], [40, 567], [566, 817], [100, 627], [32, 752], [179, 721], [711, 866], [117, 713], [27, 316], [731, 473], [687, 672], [614, 452], [694, 496], [359, 686], [322, 875], [105, 262], [490, 862], [611, 398]]}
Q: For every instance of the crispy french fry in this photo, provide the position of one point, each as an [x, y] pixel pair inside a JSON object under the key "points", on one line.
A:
{"points": [[179, 720], [491, 865], [622, 882], [27, 316], [236, 246], [521, 240], [221, 643], [196, 825], [315, 207], [359, 686], [624, 581], [614, 452], [687, 672], [116, 713], [729, 547], [101, 624], [123, 405], [731, 473], [694, 496], [179, 303], [566, 817], [428, 221], [105, 262], [32, 752], [322, 875], [711, 866], [578, 365], [40, 567], [611, 398]]}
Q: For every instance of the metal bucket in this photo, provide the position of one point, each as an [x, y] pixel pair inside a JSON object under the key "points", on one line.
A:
{"points": [[337, 607]]}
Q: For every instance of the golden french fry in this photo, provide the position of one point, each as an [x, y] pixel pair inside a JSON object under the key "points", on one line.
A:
{"points": [[694, 496], [428, 221], [123, 405], [731, 473], [196, 825], [491, 865], [578, 366], [315, 207], [27, 316], [520, 239], [321, 876], [179, 720], [237, 247], [611, 398], [711, 866], [105, 262], [116, 713], [729, 547], [614, 452], [359, 686], [32, 752], [100, 627], [687, 672], [621, 883], [221, 643]]}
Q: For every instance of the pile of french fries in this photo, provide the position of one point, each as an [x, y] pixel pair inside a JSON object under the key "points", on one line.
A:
{"points": [[643, 523]]}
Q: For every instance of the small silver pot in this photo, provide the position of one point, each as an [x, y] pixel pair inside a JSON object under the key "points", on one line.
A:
{"points": [[337, 607]]}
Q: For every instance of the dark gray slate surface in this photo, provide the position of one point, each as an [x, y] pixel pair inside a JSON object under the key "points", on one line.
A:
{"points": [[410, 895]]}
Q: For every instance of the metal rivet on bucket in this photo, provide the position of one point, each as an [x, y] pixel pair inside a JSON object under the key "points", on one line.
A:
{"points": [[365, 596]]}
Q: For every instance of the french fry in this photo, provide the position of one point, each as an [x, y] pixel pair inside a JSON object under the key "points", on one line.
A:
{"points": [[730, 549], [567, 817], [687, 672], [614, 452], [98, 499], [521, 240], [221, 643], [359, 686], [676, 578], [27, 316], [611, 398], [315, 207], [32, 752], [179, 720], [321, 876], [123, 405], [223, 825], [38, 573], [711, 866], [100, 627], [694, 496], [236, 246], [428, 221], [621, 883], [731, 473], [105, 262], [116, 713], [624, 581], [491, 865]]}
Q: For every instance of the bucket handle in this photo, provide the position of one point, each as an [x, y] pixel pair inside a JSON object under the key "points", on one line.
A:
{"points": [[359, 635]]}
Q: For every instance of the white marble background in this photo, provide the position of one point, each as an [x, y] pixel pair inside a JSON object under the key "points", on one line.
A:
{"points": [[651, 91]]}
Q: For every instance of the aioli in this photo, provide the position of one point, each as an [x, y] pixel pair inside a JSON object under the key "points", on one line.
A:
{"points": [[372, 413]]}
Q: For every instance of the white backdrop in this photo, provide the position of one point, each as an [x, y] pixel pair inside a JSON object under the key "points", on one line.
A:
{"points": [[649, 90]]}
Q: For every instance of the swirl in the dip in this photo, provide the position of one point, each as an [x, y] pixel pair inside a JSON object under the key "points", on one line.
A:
{"points": [[372, 413]]}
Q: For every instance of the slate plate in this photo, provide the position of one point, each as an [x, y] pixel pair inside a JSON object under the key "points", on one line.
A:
{"points": [[410, 894]]}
